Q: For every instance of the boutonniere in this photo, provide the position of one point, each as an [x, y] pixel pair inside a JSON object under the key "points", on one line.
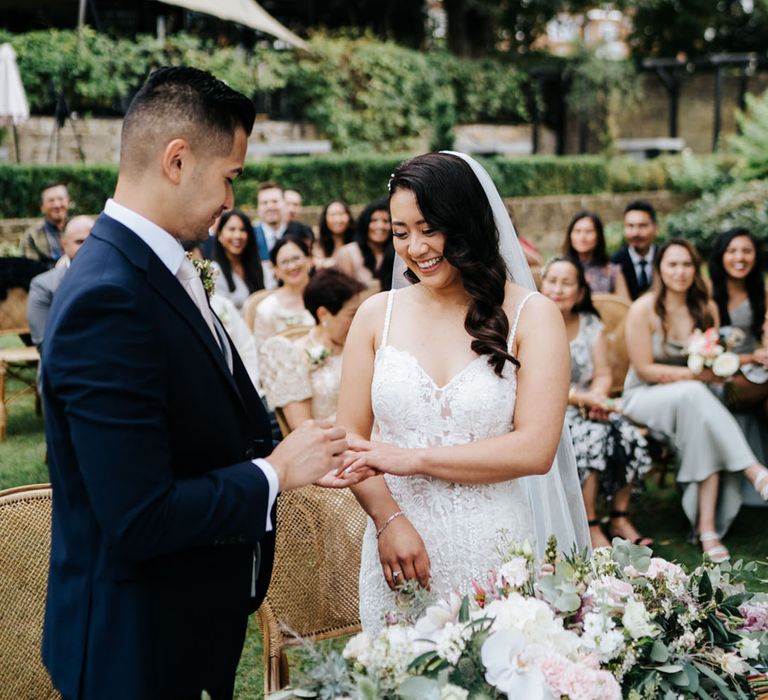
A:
{"points": [[207, 274], [317, 355]]}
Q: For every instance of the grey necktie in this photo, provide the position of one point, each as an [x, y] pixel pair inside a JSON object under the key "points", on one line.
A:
{"points": [[192, 284]]}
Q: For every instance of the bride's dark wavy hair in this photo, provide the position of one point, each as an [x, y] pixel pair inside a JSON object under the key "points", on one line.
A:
{"points": [[452, 201]]}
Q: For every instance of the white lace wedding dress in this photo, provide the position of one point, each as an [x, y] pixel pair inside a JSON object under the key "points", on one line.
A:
{"points": [[462, 525]]}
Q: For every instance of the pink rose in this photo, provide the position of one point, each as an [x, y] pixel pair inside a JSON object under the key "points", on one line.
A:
{"points": [[755, 617], [583, 683], [553, 667], [661, 568]]}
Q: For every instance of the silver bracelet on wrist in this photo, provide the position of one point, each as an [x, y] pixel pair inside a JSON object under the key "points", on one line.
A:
{"points": [[387, 522]]}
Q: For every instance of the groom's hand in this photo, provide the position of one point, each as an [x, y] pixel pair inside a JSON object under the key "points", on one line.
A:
{"points": [[310, 453]]}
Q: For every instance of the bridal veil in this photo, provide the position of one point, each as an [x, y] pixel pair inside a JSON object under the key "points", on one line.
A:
{"points": [[555, 498]]}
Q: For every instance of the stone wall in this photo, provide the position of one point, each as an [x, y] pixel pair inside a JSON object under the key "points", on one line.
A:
{"points": [[542, 220]]}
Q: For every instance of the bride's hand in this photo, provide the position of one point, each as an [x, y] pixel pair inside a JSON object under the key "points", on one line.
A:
{"points": [[381, 457], [344, 479], [403, 555]]}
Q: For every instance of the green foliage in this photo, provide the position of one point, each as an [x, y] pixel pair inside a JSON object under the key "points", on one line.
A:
{"points": [[20, 185], [751, 145], [356, 178], [542, 175], [600, 90], [740, 204]]}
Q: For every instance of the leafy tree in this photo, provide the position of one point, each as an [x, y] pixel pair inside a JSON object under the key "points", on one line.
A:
{"points": [[698, 27]]}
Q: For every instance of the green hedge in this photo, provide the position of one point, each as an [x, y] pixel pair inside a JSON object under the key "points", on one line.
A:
{"points": [[358, 179]]}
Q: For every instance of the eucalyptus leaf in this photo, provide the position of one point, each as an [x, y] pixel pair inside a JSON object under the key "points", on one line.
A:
{"points": [[419, 689], [669, 668], [659, 652]]}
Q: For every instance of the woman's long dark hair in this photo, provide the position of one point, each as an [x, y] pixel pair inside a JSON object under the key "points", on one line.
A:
{"points": [[754, 280], [451, 199], [586, 305], [600, 253], [326, 237], [254, 274], [697, 298], [361, 238]]}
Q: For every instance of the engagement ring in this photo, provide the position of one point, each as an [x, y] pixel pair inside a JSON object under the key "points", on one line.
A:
{"points": [[395, 574]]}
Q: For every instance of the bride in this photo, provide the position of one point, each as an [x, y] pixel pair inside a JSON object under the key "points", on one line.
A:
{"points": [[465, 372]]}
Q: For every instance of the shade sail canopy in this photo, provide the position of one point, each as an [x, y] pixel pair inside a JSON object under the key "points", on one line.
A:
{"points": [[245, 12], [14, 107]]}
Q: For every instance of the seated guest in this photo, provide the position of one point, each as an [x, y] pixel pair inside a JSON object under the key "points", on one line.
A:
{"points": [[44, 286], [636, 258], [273, 224], [302, 377], [284, 308], [292, 199], [43, 241], [236, 258], [611, 454], [735, 269], [585, 240], [662, 393], [337, 228], [371, 255]]}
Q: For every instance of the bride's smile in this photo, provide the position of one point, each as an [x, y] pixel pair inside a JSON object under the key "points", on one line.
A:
{"points": [[419, 244]]}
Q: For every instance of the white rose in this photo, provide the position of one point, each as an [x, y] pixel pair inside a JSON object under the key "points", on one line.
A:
{"points": [[749, 648], [358, 648], [453, 692], [726, 365], [733, 665], [695, 363], [514, 572], [637, 621]]}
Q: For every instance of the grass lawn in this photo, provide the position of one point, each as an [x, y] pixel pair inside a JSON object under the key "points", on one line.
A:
{"points": [[657, 514]]}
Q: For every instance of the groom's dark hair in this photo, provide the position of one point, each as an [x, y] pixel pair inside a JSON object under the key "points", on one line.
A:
{"points": [[452, 200], [178, 101]]}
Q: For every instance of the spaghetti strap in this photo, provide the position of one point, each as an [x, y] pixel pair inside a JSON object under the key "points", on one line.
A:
{"points": [[387, 317], [517, 319]]}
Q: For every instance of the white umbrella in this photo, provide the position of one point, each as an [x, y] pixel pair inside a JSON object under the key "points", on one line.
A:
{"points": [[14, 107], [245, 12]]}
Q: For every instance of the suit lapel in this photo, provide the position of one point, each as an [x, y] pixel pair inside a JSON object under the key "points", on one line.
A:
{"points": [[161, 279]]}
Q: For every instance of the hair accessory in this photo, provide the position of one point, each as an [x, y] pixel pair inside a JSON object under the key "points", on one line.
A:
{"points": [[389, 183]]}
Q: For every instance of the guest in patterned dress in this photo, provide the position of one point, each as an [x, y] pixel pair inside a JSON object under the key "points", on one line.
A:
{"points": [[585, 241], [737, 286], [611, 454], [662, 393], [284, 307], [302, 377]]}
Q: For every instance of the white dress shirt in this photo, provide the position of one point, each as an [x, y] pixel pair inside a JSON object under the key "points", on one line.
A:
{"points": [[171, 254], [635, 257]]}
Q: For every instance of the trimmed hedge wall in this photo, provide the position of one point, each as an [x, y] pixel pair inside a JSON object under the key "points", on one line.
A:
{"points": [[357, 179]]}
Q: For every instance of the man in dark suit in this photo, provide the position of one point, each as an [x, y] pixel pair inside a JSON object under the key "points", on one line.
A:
{"points": [[163, 470], [636, 258]]}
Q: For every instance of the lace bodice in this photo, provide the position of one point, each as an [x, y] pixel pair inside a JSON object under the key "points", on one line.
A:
{"points": [[288, 374], [272, 317], [460, 524]]}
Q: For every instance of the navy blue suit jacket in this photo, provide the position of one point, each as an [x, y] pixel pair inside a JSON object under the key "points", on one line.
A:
{"points": [[158, 513], [622, 258]]}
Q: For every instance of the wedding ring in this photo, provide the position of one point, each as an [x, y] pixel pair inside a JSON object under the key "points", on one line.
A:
{"points": [[395, 574]]}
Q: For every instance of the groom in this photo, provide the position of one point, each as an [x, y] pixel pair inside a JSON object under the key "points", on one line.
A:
{"points": [[163, 472]]}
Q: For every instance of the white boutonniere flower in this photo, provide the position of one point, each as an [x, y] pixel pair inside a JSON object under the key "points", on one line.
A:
{"points": [[207, 274], [317, 355]]}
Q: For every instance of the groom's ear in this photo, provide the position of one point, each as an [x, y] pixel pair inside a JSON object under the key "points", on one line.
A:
{"points": [[175, 156]]}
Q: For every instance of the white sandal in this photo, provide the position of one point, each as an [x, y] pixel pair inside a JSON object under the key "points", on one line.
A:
{"points": [[761, 484], [717, 554]]}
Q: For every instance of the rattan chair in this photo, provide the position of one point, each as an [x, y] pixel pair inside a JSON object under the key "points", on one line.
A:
{"points": [[613, 313], [249, 306], [25, 542], [314, 589]]}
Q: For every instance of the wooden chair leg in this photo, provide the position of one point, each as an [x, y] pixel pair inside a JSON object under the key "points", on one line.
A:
{"points": [[285, 671]]}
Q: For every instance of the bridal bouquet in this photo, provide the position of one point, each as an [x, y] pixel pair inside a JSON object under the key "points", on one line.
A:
{"points": [[708, 349], [621, 624]]}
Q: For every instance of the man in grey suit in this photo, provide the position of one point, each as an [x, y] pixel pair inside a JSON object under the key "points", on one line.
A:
{"points": [[44, 286]]}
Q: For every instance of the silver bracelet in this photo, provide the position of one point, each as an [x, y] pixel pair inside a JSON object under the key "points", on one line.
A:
{"points": [[387, 522]]}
